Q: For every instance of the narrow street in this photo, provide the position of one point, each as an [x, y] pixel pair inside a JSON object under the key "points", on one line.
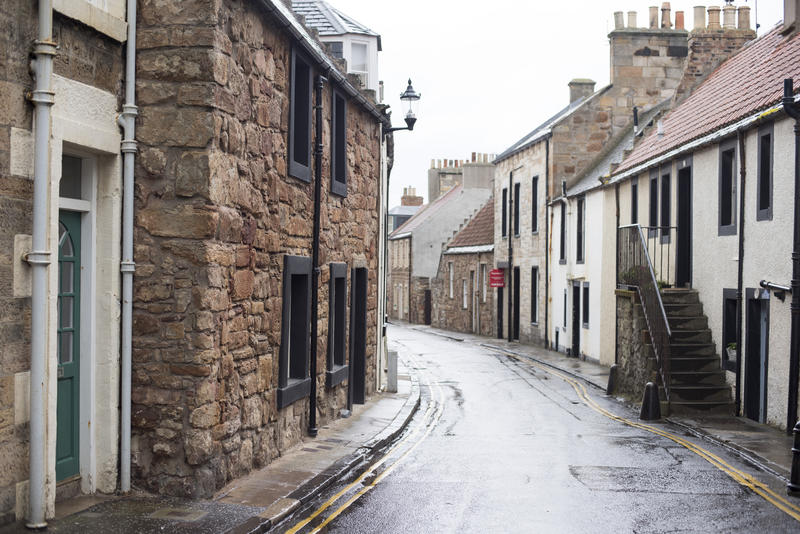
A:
{"points": [[502, 444]]}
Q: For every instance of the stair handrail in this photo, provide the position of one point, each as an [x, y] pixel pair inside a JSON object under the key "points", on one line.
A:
{"points": [[635, 269]]}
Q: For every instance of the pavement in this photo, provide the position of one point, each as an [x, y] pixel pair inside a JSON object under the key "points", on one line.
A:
{"points": [[261, 499], [765, 446]]}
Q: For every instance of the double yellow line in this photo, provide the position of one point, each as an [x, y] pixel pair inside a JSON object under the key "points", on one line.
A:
{"points": [[434, 411], [740, 477]]}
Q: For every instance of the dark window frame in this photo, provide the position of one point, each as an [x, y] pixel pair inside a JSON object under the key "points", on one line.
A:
{"points": [[635, 200], [535, 295], [665, 215], [338, 143], [730, 228], [300, 110], [295, 332], [765, 182], [652, 216], [517, 193], [580, 232], [562, 251], [504, 213], [337, 325], [535, 205], [585, 305]]}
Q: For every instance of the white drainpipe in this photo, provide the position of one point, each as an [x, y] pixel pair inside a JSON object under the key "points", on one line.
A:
{"points": [[39, 258], [127, 121]]}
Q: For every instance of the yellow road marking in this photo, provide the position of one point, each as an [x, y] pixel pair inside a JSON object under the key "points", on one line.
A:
{"points": [[327, 504], [740, 477]]}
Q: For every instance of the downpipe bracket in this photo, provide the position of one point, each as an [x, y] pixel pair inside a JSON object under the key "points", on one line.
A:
{"points": [[37, 257], [127, 267]]}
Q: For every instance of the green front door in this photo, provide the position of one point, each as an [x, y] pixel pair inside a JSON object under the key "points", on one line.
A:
{"points": [[69, 279]]}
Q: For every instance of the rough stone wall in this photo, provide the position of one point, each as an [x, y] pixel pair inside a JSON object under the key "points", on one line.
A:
{"points": [[416, 299], [707, 49], [215, 214], [450, 314], [636, 364], [83, 55]]}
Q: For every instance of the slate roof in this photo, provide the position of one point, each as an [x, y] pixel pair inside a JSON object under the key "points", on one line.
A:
{"points": [[328, 20], [479, 230], [426, 212], [544, 128], [749, 82], [404, 210]]}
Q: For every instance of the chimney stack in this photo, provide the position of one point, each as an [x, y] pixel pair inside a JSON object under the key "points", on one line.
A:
{"points": [[653, 17], [744, 18], [713, 18], [729, 17], [699, 18], [410, 197], [579, 88], [632, 19], [666, 17]]}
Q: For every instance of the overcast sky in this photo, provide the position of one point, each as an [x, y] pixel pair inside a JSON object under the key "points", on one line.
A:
{"points": [[491, 71]]}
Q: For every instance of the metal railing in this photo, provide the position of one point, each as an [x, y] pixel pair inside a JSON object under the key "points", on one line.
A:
{"points": [[659, 241], [635, 270]]}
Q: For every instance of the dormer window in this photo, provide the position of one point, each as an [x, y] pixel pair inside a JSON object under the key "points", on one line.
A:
{"points": [[359, 62]]}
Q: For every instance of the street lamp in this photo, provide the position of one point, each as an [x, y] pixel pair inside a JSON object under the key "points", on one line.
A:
{"points": [[411, 99]]}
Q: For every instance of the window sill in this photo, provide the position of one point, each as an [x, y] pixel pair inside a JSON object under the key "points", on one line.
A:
{"points": [[336, 376], [562, 262], [727, 230], [580, 262], [585, 326], [339, 188], [297, 389]]}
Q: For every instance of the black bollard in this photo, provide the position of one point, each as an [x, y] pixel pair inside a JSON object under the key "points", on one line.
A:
{"points": [[612, 379], [651, 406], [793, 487]]}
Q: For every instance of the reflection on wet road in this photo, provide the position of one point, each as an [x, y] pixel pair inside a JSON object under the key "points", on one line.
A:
{"points": [[501, 444]]}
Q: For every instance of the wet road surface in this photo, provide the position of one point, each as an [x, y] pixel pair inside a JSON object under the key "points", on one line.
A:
{"points": [[503, 445]]}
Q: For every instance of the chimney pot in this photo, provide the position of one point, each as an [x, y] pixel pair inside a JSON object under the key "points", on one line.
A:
{"points": [[744, 17], [699, 17], [653, 17], [619, 23], [679, 23], [660, 129], [666, 17], [473, 157], [433, 164], [729, 17], [632, 19], [713, 18]]}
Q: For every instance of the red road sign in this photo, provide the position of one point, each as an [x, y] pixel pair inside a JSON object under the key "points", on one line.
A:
{"points": [[497, 278]]}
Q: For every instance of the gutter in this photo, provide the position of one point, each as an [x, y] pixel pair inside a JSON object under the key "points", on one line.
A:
{"points": [[39, 258], [546, 244], [312, 405], [702, 141], [740, 272], [127, 120]]}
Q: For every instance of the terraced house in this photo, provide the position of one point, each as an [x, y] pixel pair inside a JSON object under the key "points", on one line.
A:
{"points": [[191, 229]]}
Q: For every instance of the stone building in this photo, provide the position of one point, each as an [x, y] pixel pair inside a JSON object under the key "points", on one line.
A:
{"points": [[548, 220], [224, 242], [718, 177], [219, 229], [67, 168], [414, 248], [462, 299], [444, 175]]}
